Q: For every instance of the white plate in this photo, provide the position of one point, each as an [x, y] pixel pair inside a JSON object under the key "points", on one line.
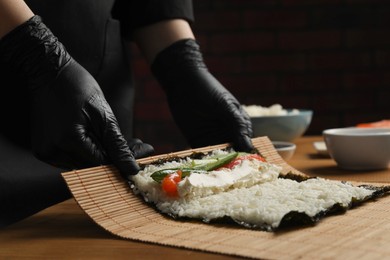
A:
{"points": [[321, 147]]}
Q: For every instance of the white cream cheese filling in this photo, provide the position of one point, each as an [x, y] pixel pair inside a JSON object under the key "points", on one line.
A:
{"points": [[246, 174]]}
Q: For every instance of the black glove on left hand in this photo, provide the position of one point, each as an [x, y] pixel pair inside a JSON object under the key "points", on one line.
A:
{"points": [[73, 126], [205, 111]]}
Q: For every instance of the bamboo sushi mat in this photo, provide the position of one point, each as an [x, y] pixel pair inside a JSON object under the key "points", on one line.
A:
{"points": [[360, 233]]}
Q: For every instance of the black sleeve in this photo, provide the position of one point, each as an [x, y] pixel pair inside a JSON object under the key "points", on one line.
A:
{"points": [[134, 14]]}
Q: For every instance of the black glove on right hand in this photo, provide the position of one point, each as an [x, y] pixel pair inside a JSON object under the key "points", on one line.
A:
{"points": [[73, 126], [206, 112]]}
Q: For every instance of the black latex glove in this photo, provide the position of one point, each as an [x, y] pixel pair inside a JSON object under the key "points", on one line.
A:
{"points": [[205, 111], [73, 126]]}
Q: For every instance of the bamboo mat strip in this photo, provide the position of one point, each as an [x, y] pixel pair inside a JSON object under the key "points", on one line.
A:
{"points": [[359, 233]]}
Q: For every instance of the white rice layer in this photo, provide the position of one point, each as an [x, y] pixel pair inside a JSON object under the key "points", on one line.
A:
{"points": [[268, 202]]}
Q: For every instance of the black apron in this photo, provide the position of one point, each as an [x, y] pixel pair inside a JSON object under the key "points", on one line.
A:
{"points": [[92, 37]]}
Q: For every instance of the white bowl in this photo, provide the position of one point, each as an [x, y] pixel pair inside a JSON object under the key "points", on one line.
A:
{"points": [[359, 148], [285, 149], [282, 127]]}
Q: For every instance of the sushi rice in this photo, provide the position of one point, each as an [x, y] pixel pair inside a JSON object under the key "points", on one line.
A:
{"points": [[251, 193]]}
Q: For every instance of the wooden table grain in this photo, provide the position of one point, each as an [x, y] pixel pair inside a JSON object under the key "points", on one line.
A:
{"points": [[64, 231]]}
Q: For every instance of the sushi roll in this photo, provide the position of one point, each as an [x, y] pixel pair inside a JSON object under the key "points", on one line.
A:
{"points": [[243, 188]]}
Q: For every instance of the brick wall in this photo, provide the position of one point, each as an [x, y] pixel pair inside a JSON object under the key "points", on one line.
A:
{"points": [[331, 56]]}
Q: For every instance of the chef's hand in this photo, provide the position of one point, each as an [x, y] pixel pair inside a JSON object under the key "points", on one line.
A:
{"points": [[205, 111], [73, 126]]}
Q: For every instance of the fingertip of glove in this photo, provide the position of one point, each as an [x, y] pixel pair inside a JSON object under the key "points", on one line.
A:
{"points": [[244, 144], [128, 168]]}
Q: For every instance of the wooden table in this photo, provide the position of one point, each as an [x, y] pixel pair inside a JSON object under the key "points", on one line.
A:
{"points": [[65, 231]]}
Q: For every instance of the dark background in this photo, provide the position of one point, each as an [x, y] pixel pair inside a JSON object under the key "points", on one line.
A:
{"points": [[331, 56]]}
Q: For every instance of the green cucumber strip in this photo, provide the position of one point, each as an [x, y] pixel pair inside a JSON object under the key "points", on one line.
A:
{"points": [[220, 162], [158, 176]]}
